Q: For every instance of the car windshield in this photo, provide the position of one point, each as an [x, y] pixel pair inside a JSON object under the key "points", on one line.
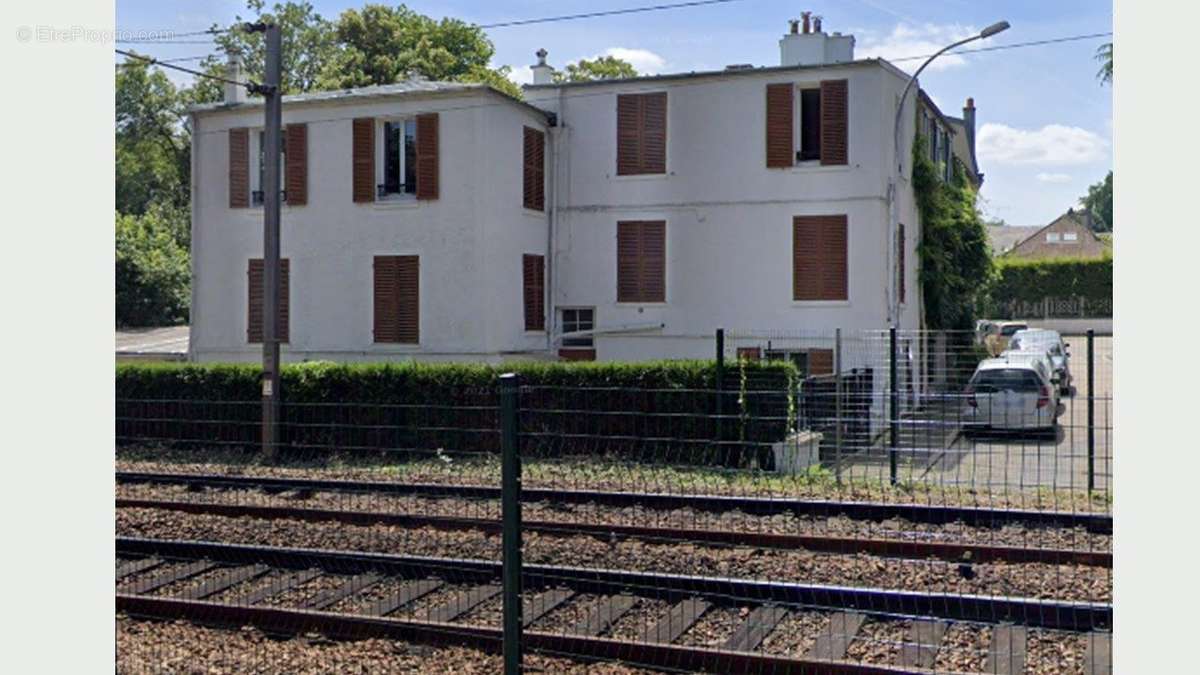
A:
{"points": [[1008, 331], [1006, 379]]}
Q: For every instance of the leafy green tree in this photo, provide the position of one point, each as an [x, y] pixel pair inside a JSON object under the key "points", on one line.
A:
{"points": [[153, 148], [956, 261], [308, 43], [1104, 54], [599, 68], [152, 269], [381, 45], [498, 78], [1099, 200]]}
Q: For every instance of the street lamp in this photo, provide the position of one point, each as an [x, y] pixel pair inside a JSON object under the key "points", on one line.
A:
{"points": [[893, 300]]}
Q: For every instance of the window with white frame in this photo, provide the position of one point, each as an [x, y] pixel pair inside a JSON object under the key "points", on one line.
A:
{"points": [[258, 171], [808, 124], [1070, 236], [1053, 237], [397, 158], [573, 320]]}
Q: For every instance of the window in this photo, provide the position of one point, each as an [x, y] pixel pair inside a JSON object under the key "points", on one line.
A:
{"points": [[1053, 237], [258, 192], [810, 126], [399, 158], [397, 299], [819, 268], [572, 320], [641, 261], [254, 304], [534, 278], [1070, 236], [641, 134]]}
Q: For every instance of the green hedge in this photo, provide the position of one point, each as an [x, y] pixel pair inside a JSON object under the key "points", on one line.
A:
{"points": [[660, 410], [1033, 280]]}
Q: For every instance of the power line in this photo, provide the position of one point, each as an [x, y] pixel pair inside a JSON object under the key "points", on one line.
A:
{"points": [[163, 42], [612, 12], [1071, 38], [171, 34], [163, 64]]}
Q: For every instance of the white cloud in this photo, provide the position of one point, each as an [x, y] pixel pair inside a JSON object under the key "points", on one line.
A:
{"points": [[521, 75], [1053, 144], [908, 40], [644, 61], [1054, 177]]}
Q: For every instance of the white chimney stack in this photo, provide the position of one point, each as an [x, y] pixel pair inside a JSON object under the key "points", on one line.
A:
{"points": [[234, 93], [811, 46], [542, 72]]}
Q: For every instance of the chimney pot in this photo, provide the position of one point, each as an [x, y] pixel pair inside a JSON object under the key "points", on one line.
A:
{"points": [[543, 73], [806, 16], [817, 24], [970, 102], [794, 26]]}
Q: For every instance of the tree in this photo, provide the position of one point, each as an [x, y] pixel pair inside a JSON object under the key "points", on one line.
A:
{"points": [[956, 260], [599, 68], [308, 44], [152, 268], [153, 148], [382, 45], [1099, 200], [1104, 54]]}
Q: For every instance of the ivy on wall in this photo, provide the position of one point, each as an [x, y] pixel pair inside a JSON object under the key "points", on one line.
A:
{"points": [[956, 263]]}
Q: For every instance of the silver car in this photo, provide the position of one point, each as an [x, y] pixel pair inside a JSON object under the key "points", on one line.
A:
{"points": [[1013, 392], [1049, 341]]}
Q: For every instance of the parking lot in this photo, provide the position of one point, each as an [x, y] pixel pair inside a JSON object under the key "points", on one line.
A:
{"points": [[934, 451]]}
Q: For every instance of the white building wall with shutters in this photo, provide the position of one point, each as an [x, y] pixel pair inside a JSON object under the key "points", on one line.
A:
{"points": [[470, 239], [728, 217]]}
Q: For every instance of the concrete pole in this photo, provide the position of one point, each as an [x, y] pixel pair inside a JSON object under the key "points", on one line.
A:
{"points": [[272, 136]]}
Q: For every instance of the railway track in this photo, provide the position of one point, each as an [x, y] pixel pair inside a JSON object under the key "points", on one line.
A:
{"points": [[888, 547], [636, 617]]}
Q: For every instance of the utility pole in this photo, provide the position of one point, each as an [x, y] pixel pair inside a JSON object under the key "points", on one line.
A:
{"points": [[272, 137]]}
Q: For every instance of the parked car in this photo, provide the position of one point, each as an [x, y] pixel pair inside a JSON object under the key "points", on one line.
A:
{"points": [[1012, 392], [997, 339], [1049, 341]]}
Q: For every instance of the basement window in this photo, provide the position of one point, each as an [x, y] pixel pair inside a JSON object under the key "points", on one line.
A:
{"points": [[399, 158], [571, 320], [809, 136]]}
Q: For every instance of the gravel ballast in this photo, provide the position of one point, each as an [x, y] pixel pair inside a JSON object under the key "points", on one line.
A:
{"points": [[1035, 580]]}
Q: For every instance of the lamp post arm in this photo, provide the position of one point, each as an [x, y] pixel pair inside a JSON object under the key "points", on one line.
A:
{"points": [[908, 87]]}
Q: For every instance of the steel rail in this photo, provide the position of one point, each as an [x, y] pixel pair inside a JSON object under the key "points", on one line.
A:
{"points": [[284, 621], [893, 548], [1051, 614], [860, 510]]}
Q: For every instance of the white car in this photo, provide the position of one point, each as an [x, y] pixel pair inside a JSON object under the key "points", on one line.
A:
{"points": [[1050, 342], [1011, 392]]}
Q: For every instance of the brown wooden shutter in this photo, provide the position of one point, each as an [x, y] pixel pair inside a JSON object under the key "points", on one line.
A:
{"points": [[820, 362], [781, 143], [534, 276], [534, 180], [239, 168], [900, 248], [397, 299], [749, 353], [641, 261], [296, 172], [427, 156], [254, 274], [363, 151], [834, 122], [641, 133], [654, 133], [819, 270]]}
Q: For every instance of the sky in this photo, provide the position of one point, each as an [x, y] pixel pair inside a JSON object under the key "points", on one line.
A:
{"points": [[1044, 122]]}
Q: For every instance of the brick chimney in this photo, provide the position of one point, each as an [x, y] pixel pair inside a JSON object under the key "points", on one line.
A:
{"points": [[969, 123]]}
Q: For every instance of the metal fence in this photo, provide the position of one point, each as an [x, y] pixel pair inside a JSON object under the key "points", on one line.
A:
{"points": [[1056, 307], [859, 520]]}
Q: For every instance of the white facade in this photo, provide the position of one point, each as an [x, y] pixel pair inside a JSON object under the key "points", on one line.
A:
{"points": [[728, 221]]}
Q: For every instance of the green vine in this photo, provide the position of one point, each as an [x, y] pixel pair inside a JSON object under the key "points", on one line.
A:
{"points": [[956, 263]]}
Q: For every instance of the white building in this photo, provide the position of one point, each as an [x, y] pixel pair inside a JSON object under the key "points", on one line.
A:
{"points": [[438, 220]]}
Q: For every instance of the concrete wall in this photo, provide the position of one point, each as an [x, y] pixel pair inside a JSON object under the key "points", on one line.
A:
{"points": [[470, 239]]}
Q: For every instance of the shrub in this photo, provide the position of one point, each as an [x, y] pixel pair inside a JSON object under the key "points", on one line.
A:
{"points": [[659, 410], [1033, 280]]}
